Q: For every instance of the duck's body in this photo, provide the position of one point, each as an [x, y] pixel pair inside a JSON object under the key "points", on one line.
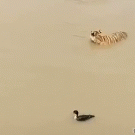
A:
{"points": [[82, 117]]}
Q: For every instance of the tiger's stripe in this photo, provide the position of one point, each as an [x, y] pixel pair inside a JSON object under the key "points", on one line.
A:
{"points": [[98, 38]]}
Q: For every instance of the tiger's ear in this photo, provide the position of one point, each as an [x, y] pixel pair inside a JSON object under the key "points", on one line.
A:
{"points": [[100, 31]]}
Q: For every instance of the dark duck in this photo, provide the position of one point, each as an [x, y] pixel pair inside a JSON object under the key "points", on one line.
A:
{"points": [[82, 117]]}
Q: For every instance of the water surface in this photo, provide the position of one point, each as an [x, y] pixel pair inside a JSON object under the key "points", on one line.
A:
{"points": [[49, 67]]}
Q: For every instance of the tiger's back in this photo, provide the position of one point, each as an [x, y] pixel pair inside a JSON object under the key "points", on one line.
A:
{"points": [[98, 38]]}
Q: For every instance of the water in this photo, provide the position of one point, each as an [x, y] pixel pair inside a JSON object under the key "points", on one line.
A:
{"points": [[49, 67]]}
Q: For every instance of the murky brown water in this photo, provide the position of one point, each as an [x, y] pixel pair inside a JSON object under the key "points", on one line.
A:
{"points": [[49, 67]]}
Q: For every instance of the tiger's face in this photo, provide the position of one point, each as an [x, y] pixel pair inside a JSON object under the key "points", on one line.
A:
{"points": [[94, 34]]}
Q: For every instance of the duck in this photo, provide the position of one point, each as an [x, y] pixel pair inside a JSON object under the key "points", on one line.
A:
{"points": [[81, 117]]}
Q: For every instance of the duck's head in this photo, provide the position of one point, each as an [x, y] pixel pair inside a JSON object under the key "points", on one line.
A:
{"points": [[75, 112]]}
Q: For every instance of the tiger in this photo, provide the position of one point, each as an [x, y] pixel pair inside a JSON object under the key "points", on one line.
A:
{"points": [[98, 37]]}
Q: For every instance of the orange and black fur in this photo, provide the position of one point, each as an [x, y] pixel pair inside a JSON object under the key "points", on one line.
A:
{"points": [[98, 38]]}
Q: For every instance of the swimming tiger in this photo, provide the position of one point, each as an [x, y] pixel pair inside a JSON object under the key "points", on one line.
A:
{"points": [[98, 38]]}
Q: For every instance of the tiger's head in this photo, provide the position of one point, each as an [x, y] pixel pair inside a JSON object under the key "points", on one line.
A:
{"points": [[94, 34]]}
